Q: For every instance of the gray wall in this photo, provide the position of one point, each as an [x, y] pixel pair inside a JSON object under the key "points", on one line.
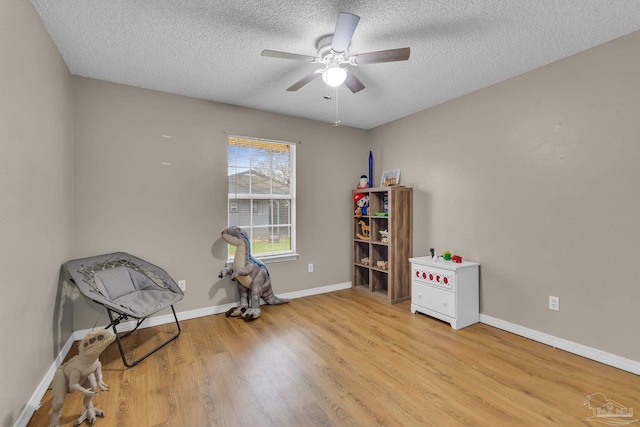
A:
{"points": [[537, 179], [35, 202], [125, 200]]}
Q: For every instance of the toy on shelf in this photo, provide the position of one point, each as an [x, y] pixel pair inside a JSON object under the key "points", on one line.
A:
{"points": [[390, 182], [366, 261], [364, 230], [362, 204], [383, 264], [364, 182], [446, 256], [384, 236]]}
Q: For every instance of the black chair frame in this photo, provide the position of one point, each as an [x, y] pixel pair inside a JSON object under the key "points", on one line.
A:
{"points": [[120, 317]]}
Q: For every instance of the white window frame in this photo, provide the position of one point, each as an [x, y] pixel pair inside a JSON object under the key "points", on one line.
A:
{"points": [[281, 256]]}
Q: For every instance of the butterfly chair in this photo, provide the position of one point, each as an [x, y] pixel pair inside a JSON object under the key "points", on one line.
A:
{"points": [[127, 287]]}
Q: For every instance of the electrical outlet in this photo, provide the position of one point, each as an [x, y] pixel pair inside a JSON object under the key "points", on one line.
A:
{"points": [[310, 268], [554, 303], [182, 284]]}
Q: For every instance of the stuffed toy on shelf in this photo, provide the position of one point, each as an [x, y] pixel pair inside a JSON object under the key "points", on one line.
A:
{"points": [[362, 204], [363, 183]]}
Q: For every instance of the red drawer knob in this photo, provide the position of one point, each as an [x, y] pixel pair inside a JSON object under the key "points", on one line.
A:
{"points": [[430, 276], [446, 280], [438, 279], [424, 275]]}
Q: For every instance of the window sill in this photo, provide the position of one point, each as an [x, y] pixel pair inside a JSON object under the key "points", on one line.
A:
{"points": [[273, 258]]}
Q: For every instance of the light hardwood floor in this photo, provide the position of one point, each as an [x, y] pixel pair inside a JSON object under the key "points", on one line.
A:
{"points": [[345, 358]]}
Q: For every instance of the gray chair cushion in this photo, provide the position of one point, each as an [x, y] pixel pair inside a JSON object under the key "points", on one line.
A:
{"points": [[134, 291], [147, 302], [114, 282]]}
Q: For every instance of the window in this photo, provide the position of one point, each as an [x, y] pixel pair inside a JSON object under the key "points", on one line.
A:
{"points": [[261, 195]]}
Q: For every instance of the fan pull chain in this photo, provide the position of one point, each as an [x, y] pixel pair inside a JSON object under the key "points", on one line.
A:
{"points": [[337, 122]]}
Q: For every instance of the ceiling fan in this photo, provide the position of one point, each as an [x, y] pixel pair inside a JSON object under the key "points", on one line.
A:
{"points": [[332, 52]]}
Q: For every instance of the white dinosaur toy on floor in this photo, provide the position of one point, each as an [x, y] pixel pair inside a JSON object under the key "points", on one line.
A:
{"points": [[82, 373]]}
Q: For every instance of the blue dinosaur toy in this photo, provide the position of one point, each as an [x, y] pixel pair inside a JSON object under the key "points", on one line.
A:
{"points": [[252, 276]]}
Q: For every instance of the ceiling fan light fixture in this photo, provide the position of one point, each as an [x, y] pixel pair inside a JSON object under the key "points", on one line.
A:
{"points": [[334, 76], [332, 53]]}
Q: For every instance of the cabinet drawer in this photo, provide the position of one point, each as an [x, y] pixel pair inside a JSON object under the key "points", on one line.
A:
{"points": [[431, 298], [434, 276]]}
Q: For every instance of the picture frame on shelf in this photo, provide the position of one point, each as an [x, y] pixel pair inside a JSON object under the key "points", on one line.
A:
{"points": [[390, 178]]}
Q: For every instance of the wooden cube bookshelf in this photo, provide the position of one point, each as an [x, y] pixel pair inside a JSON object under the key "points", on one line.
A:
{"points": [[391, 281]]}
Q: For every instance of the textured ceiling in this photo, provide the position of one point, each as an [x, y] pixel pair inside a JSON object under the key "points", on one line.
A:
{"points": [[210, 49]]}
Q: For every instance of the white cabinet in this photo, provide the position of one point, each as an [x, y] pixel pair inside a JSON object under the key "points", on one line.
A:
{"points": [[446, 290]]}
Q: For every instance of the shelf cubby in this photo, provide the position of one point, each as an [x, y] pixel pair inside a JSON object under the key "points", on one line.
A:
{"points": [[361, 277]]}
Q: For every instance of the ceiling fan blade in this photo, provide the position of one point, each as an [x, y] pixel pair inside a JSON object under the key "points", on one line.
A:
{"points": [[353, 83], [401, 54], [285, 55], [345, 27], [303, 81]]}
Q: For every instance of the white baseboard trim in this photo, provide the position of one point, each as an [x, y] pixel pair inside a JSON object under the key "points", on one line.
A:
{"points": [[619, 362], [36, 399], [216, 309], [317, 291]]}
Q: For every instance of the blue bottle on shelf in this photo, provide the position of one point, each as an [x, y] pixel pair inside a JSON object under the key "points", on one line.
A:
{"points": [[370, 169]]}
